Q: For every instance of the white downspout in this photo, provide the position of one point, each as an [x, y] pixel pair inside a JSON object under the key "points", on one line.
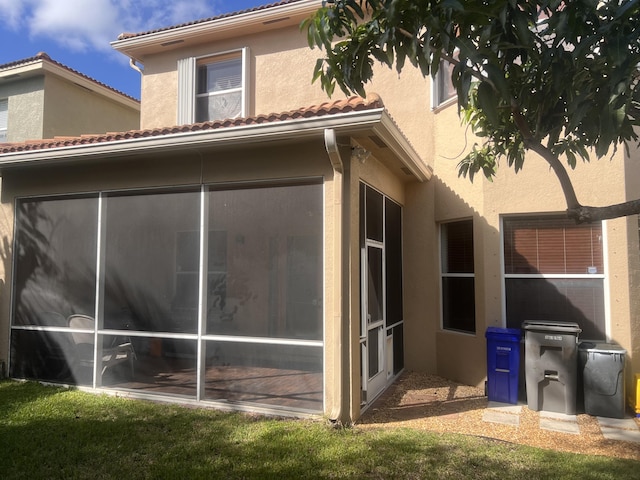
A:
{"points": [[132, 64], [341, 412]]}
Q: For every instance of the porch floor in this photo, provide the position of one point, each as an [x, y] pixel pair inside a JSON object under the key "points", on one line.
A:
{"points": [[290, 388]]}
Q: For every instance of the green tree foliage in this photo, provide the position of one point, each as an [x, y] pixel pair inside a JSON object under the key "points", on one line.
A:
{"points": [[559, 78]]}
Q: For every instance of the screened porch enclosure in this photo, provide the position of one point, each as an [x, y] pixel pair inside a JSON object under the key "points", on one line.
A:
{"points": [[208, 293]]}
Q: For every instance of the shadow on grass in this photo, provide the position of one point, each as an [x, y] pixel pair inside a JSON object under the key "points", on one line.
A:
{"points": [[69, 434]]}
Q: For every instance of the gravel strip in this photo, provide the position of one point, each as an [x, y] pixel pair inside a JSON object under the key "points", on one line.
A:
{"points": [[431, 403]]}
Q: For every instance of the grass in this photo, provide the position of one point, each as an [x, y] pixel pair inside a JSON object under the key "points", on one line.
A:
{"points": [[48, 432]]}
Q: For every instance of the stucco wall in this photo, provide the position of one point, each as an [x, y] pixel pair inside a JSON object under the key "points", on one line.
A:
{"points": [[26, 108], [281, 66], [533, 190], [71, 110]]}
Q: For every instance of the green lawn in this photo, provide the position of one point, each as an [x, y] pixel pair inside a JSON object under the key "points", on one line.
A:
{"points": [[48, 432]]}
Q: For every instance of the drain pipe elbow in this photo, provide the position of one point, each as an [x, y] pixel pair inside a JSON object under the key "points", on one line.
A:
{"points": [[331, 145], [132, 64]]}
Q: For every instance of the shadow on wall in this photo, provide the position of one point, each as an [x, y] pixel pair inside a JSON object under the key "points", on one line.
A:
{"points": [[579, 300]]}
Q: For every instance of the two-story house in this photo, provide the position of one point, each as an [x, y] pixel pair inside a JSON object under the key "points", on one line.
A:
{"points": [[255, 246], [42, 98]]}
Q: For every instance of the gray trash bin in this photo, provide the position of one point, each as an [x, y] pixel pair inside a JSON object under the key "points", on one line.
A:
{"points": [[551, 365], [602, 367]]}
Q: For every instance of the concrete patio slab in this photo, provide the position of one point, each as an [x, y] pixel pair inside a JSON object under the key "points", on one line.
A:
{"points": [[497, 416]]}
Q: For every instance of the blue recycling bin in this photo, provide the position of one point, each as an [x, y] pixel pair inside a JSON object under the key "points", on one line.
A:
{"points": [[503, 364]]}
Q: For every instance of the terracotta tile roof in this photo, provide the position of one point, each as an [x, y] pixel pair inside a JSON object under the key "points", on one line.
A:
{"points": [[42, 56], [351, 104], [124, 36]]}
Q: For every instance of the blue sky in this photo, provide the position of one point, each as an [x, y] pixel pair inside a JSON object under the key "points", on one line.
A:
{"points": [[78, 33]]}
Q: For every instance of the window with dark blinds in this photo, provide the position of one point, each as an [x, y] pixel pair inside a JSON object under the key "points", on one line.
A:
{"points": [[458, 278]]}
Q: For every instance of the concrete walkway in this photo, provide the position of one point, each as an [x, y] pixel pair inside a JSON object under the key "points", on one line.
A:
{"points": [[625, 429]]}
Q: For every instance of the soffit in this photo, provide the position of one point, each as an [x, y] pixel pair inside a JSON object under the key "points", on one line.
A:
{"points": [[237, 24]]}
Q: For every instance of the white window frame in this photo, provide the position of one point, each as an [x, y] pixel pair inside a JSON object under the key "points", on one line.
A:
{"points": [[438, 87], [4, 118], [604, 275], [187, 87]]}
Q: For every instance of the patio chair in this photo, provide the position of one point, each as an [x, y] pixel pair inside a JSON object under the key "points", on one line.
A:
{"points": [[120, 351]]}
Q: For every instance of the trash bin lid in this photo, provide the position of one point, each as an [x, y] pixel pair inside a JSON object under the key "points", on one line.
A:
{"points": [[497, 332], [552, 326], [601, 348]]}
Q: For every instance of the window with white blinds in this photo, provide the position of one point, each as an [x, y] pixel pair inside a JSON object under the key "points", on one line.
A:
{"points": [[4, 110], [213, 87], [554, 270]]}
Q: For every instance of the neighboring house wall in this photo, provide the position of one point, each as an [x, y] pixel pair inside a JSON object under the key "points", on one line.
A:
{"points": [[70, 110], [25, 115]]}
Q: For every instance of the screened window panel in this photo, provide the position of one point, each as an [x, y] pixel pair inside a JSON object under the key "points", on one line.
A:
{"points": [[374, 215], [393, 262], [282, 375], [55, 255], [398, 348], [46, 356], [375, 293], [145, 286], [273, 283]]}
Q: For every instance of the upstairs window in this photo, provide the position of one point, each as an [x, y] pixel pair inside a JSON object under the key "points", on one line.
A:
{"points": [[442, 90], [219, 88], [4, 109], [458, 276], [213, 87]]}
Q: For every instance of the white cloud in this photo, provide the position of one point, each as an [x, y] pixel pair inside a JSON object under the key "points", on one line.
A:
{"points": [[11, 12], [84, 25]]}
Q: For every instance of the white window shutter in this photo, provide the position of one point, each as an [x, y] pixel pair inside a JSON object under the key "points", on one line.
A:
{"points": [[4, 110], [186, 90], [246, 84]]}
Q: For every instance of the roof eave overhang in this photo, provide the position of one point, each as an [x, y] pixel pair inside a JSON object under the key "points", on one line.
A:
{"points": [[266, 18], [350, 123], [42, 67]]}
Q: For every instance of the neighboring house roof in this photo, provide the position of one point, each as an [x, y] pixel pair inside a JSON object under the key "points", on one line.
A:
{"points": [[42, 62], [350, 116]]}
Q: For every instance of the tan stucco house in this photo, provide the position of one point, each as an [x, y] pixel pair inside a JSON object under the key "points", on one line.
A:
{"points": [[256, 246], [42, 98]]}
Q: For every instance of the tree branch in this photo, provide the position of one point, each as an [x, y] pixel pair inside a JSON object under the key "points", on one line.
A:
{"points": [[553, 161]]}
